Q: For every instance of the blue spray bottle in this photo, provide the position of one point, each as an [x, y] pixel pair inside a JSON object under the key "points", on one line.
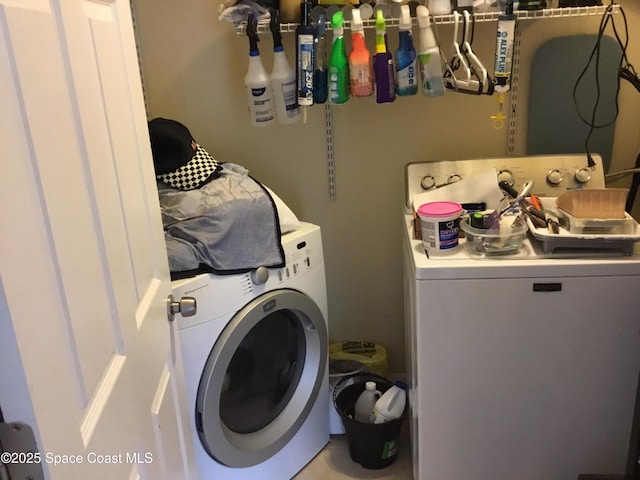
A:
{"points": [[383, 71], [406, 71]]}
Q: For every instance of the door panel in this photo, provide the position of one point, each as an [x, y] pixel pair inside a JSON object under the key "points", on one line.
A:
{"points": [[84, 268]]}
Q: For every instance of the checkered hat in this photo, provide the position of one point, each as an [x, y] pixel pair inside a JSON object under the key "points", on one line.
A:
{"points": [[179, 161]]}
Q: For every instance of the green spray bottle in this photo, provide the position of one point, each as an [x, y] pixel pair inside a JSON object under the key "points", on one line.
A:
{"points": [[338, 63]]}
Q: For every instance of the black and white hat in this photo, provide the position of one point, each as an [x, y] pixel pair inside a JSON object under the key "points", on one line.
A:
{"points": [[178, 160]]}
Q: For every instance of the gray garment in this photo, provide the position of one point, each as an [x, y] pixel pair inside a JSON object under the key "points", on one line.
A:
{"points": [[228, 225]]}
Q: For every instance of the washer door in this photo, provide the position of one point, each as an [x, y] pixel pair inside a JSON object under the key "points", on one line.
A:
{"points": [[262, 378]]}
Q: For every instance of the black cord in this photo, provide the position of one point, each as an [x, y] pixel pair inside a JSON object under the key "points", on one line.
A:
{"points": [[625, 71], [633, 190]]}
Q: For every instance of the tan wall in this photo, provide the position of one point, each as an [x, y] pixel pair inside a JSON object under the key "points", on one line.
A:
{"points": [[194, 67]]}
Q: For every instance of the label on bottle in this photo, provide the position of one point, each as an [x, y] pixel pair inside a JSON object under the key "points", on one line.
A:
{"points": [[431, 74], [504, 54], [338, 85], [290, 98], [361, 85], [260, 104], [305, 69], [406, 80]]}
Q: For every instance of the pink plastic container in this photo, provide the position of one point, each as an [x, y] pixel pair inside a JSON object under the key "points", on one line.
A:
{"points": [[440, 222]]}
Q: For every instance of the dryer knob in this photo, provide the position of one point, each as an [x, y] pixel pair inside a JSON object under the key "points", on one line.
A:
{"points": [[260, 275], [582, 175], [427, 182], [554, 177]]}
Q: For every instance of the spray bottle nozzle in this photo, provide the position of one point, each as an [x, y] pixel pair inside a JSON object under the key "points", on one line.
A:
{"points": [[381, 25], [252, 32], [509, 9], [274, 25], [321, 24]]}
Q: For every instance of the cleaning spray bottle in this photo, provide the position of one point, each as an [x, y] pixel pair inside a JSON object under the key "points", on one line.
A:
{"points": [[383, 71], [261, 108], [320, 74], [504, 59], [283, 78], [429, 57], [359, 59], [305, 58], [406, 72], [338, 63]]}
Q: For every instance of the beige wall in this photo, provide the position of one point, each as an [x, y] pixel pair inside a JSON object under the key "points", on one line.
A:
{"points": [[194, 67]]}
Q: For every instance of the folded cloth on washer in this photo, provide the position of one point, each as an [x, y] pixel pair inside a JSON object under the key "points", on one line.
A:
{"points": [[228, 225]]}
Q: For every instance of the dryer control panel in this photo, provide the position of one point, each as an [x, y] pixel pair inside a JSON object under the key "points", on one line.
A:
{"points": [[552, 175]]}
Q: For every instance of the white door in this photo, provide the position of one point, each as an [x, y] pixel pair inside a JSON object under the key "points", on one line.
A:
{"points": [[83, 321]]}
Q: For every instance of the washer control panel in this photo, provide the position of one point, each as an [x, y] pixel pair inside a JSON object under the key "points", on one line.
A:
{"points": [[552, 174]]}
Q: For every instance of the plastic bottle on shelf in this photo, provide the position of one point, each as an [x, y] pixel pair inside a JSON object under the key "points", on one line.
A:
{"points": [[321, 74], [359, 59], [338, 63], [440, 7], [391, 404], [283, 78], [363, 409], [383, 71], [406, 71], [257, 81], [429, 57], [305, 57]]}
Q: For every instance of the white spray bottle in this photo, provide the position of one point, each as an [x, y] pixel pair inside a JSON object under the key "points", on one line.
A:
{"points": [[283, 78], [429, 57], [257, 81]]}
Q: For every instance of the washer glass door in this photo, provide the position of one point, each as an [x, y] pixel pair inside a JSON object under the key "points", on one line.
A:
{"points": [[261, 378], [263, 373]]}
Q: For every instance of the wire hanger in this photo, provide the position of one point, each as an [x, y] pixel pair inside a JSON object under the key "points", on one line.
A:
{"points": [[469, 82], [477, 68]]}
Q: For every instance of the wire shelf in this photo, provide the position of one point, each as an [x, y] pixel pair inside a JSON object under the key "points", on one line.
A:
{"points": [[263, 25]]}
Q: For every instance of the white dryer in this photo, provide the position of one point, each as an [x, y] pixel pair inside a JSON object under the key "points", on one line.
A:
{"points": [[255, 364], [521, 366]]}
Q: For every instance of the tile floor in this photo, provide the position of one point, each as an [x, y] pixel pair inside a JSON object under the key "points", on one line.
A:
{"points": [[334, 463]]}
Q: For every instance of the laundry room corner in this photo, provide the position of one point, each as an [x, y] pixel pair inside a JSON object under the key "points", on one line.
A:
{"points": [[193, 67]]}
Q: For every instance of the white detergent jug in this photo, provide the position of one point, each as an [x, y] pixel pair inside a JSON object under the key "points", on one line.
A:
{"points": [[391, 404], [363, 409]]}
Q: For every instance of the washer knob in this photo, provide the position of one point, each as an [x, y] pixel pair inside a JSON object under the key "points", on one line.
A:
{"points": [[582, 175], [554, 177], [506, 176], [428, 182], [454, 178], [260, 275]]}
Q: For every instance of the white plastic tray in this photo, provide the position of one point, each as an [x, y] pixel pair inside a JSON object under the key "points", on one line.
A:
{"points": [[567, 240]]}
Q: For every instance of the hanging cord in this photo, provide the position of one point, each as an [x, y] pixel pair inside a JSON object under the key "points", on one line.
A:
{"points": [[625, 70], [635, 184]]}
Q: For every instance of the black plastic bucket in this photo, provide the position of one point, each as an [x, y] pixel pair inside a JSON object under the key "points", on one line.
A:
{"points": [[372, 445]]}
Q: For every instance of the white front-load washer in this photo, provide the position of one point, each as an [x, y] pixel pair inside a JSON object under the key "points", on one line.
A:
{"points": [[255, 365]]}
